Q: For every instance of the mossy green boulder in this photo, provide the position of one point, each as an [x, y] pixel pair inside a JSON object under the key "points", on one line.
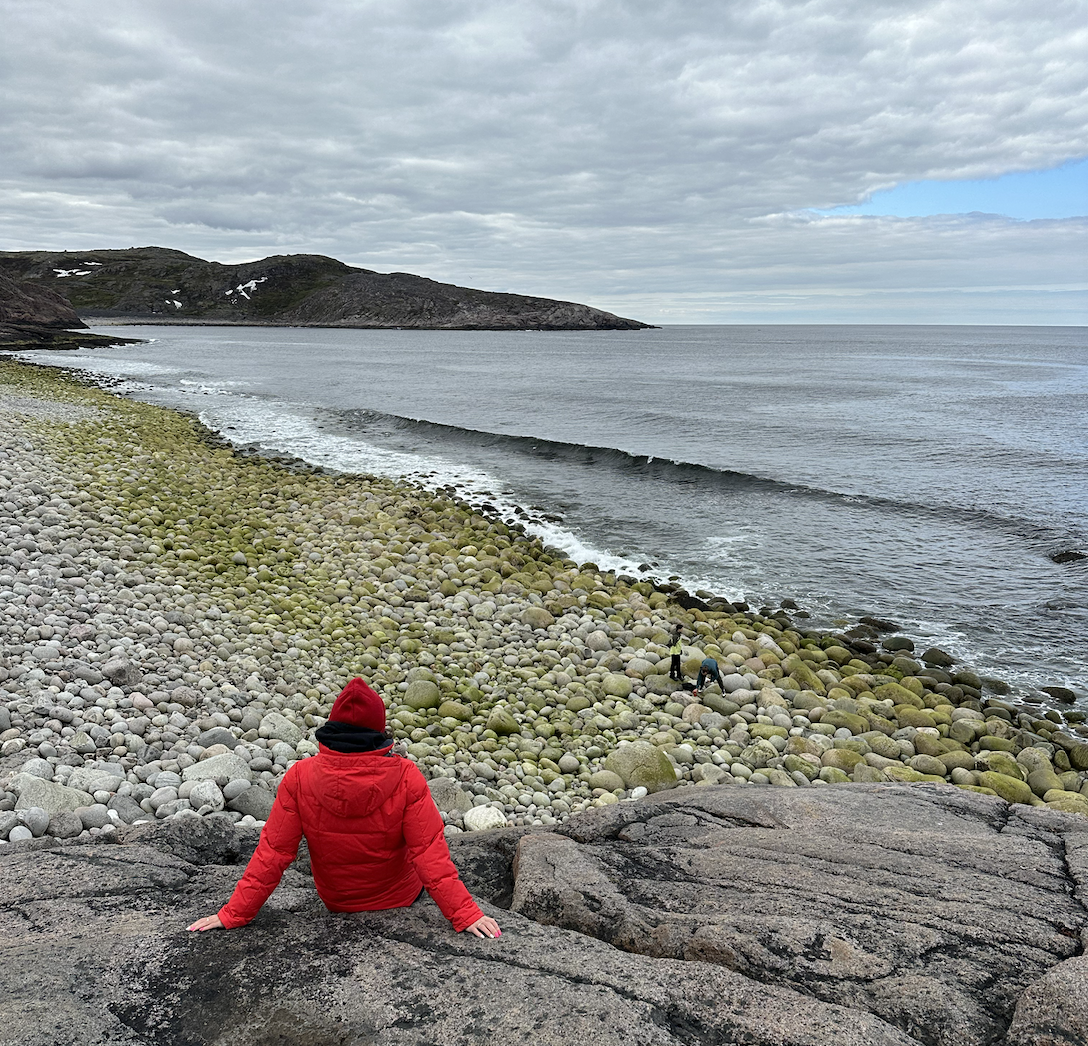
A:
{"points": [[423, 693], [615, 684], [928, 764], [641, 764], [1011, 789], [856, 724], [1043, 781], [898, 695], [841, 759], [609, 780], [717, 703], [502, 722], [537, 618], [801, 671], [927, 744], [766, 731], [897, 772], [1002, 763], [1068, 802], [455, 710], [954, 759], [866, 774], [882, 745]]}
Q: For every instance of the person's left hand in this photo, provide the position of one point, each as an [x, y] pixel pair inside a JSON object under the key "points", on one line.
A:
{"points": [[485, 926], [209, 922]]}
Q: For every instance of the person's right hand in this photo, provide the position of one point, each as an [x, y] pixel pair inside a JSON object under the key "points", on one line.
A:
{"points": [[485, 926]]}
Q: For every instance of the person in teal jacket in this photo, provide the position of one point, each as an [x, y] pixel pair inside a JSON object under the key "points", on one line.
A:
{"points": [[708, 673]]}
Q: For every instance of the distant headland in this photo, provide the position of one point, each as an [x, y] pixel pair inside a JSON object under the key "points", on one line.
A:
{"points": [[158, 285]]}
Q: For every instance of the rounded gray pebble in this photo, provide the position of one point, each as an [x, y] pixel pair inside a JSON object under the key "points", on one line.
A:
{"points": [[38, 768], [35, 819], [19, 833], [96, 816], [65, 825], [233, 789]]}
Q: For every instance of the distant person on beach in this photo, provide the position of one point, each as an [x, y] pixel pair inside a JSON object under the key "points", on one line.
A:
{"points": [[708, 673], [676, 650], [375, 836]]}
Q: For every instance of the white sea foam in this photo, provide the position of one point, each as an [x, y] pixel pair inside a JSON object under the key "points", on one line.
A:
{"points": [[280, 428], [116, 367]]}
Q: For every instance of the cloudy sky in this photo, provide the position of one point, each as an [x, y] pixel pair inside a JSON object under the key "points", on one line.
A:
{"points": [[698, 161]]}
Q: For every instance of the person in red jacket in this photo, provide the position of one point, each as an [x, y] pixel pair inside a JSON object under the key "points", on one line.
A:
{"points": [[375, 836]]}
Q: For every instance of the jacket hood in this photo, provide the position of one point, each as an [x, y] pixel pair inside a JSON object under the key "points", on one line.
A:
{"points": [[355, 784], [359, 705]]}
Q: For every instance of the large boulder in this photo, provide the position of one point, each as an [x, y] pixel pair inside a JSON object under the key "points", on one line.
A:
{"points": [[256, 802], [641, 765], [277, 727], [661, 684], [616, 684], [220, 735], [122, 672], [855, 895], [537, 618], [227, 766], [421, 694], [123, 908], [449, 796], [1054, 1010], [482, 818], [51, 797], [502, 721], [207, 794], [97, 779]]}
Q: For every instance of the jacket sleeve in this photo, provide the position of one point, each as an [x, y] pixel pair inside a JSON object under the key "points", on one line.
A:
{"points": [[277, 848], [423, 832]]}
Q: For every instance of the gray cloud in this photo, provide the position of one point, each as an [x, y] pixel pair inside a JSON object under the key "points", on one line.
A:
{"points": [[616, 152]]}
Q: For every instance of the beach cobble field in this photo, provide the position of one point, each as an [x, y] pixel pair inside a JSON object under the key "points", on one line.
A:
{"points": [[176, 619]]}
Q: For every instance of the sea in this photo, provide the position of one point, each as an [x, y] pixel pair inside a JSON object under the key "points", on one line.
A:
{"points": [[928, 475]]}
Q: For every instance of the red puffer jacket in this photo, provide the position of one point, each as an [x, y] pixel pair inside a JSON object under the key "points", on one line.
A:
{"points": [[375, 839]]}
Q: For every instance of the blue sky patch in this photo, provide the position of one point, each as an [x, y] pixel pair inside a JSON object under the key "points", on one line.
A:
{"points": [[1061, 192]]}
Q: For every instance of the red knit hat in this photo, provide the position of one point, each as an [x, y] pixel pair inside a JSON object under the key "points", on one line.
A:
{"points": [[359, 705]]}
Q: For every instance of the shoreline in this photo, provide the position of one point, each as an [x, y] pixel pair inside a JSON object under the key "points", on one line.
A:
{"points": [[181, 616], [167, 320], [1018, 624]]}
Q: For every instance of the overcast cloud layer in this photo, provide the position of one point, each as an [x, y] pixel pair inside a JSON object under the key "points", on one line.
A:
{"points": [[659, 159]]}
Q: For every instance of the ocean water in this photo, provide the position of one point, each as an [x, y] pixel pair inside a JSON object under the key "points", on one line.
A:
{"points": [[922, 474]]}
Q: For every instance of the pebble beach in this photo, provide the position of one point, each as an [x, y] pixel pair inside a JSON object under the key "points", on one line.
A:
{"points": [[178, 618]]}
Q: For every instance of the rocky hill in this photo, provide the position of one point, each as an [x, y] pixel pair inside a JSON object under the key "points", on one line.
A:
{"points": [[153, 284], [859, 915]]}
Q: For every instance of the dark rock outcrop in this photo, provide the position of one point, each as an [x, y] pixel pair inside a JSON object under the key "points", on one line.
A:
{"points": [[154, 284], [36, 317], [26, 303], [882, 915]]}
